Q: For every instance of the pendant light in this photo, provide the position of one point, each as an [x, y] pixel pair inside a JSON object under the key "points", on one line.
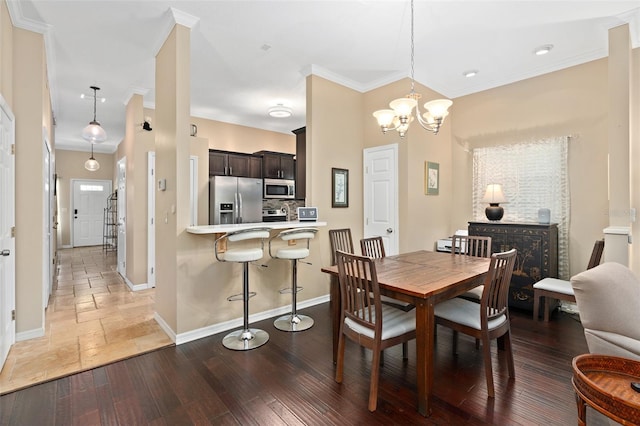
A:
{"points": [[399, 116], [91, 164], [94, 133]]}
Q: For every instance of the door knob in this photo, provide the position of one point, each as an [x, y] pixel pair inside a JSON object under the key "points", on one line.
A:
{"points": [[389, 230], [5, 252]]}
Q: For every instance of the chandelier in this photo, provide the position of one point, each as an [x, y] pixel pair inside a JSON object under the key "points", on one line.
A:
{"points": [[400, 115], [94, 133]]}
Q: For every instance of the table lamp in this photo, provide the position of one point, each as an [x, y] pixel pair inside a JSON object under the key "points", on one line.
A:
{"points": [[494, 196]]}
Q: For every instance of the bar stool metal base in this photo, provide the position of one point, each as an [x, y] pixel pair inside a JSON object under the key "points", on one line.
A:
{"points": [[244, 340], [293, 322]]}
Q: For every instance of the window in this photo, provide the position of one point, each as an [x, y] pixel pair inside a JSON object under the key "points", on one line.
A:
{"points": [[98, 188], [533, 175]]}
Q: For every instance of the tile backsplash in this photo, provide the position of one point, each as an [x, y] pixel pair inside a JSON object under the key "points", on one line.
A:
{"points": [[278, 204]]}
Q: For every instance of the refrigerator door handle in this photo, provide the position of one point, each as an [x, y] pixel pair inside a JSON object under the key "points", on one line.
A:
{"points": [[235, 208], [240, 208]]}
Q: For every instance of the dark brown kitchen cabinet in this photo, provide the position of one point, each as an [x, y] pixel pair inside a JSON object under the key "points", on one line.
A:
{"points": [[537, 257], [301, 163], [276, 165], [225, 163]]}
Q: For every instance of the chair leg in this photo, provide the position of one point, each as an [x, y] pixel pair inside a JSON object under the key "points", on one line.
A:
{"points": [[488, 370], [293, 321], [340, 358], [247, 338], [547, 308], [509, 352], [405, 350], [536, 304], [454, 344], [373, 385]]}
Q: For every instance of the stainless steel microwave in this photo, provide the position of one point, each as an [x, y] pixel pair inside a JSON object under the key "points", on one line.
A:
{"points": [[279, 188]]}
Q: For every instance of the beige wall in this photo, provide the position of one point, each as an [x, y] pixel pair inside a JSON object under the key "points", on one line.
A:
{"points": [[571, 102], [634, 158], [334, 139], [30, 106], [70, 165], [6, 54], [134, 148]]}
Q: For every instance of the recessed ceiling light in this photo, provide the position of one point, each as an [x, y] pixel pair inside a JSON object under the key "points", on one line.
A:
{"points": [[470, 73], [279, 111], [543, 50]]}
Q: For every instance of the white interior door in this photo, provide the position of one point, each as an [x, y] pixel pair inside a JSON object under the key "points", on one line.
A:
{"points": [[381, 195], [47, 219], [151, 221], [122, 216], [7, 224], [87, 205]]}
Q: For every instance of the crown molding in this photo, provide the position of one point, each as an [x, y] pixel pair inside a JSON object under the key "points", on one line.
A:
{"points": [[171, 18]]}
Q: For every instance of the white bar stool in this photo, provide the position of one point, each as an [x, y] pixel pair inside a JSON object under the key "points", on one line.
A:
{"points": [[293, 321], [247, 338]]}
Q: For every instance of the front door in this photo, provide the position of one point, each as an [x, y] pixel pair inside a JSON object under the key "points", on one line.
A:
{"points": [[7, 224], [381, 195], [88, 204]]}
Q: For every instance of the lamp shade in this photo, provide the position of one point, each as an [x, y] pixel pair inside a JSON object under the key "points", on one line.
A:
{"points": [[403, 106], [438, 108], [494, 194], [94, 133], [92, 164]]}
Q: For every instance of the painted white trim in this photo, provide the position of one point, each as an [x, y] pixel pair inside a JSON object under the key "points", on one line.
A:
{"points": [[151, 214], [210, 330], [30, 334], [135, 287], [164, 326]]}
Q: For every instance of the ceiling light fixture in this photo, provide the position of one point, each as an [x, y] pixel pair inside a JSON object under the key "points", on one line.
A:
{"points": [[94, 133], [543, 50], [280, 111], [470, 73], [91, 164], [400, 115]]}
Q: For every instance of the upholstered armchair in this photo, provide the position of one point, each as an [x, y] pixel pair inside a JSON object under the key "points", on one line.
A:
{"points": [[608, 298]]}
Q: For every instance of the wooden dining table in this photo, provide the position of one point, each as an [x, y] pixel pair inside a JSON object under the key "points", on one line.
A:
{"points": [[422, 278]]}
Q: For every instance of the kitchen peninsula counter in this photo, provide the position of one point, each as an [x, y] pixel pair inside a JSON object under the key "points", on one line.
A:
{"points": [[223, 229]]}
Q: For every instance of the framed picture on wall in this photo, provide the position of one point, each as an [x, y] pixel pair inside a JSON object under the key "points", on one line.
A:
{"points": [[431, 178], [339, 187]]}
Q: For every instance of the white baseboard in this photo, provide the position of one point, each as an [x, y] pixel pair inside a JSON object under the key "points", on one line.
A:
{"points": [[164, 326], [135, 287], [30, 334], [237, 322]]}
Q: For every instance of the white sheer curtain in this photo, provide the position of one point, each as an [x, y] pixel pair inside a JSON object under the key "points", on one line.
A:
{"points": [[534, 175]]}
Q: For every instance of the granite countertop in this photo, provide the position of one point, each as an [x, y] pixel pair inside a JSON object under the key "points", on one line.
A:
{"points": [[222, 229]]}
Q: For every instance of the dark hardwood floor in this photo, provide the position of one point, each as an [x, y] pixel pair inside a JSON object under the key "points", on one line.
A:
{"points": [[290, 381]]}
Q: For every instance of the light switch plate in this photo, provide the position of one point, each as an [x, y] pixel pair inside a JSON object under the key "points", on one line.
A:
{"points": [[309, 214]]}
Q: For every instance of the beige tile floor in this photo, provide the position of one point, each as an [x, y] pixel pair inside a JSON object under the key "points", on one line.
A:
{"points": [[92, 319]]}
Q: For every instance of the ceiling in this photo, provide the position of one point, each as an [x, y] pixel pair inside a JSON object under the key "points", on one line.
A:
{"points": [[248, 56]]}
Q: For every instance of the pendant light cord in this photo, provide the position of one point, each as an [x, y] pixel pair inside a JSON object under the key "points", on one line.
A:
{"points": [[412, 49]]}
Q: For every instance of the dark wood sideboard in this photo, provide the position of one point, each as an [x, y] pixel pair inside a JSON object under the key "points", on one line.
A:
{"points": [[537, 246]]}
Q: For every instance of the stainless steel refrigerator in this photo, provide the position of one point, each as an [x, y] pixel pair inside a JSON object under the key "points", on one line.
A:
{"points": [[234, 200]]}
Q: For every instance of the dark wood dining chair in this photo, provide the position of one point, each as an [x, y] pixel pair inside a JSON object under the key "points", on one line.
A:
{"points": [[488, 319], [549, 289], [365, 320], [372, 247], [471, 245], [339, 239]]}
